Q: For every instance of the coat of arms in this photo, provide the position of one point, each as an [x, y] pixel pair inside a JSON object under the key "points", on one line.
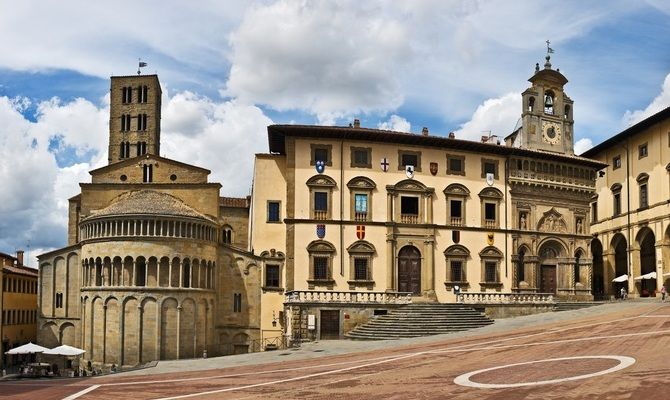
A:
{"points": [[433, 168], [321, 231], [360, 232], [320, 166], [409, 171], [384, 164], [456, 236]]}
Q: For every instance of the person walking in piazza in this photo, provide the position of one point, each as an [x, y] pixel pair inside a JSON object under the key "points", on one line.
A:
{"points": [[624, 294], [664, 292]]}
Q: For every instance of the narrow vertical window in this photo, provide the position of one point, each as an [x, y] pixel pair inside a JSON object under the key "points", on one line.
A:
{"points": [[361, 207]]}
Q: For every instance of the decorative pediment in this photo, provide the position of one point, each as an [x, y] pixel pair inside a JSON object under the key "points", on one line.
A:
{"points": [[616, 187], [320, 246], [361, 182], [491, 252], [643, 177], [491, 193], [361, 246], [321, 181], [552, 221], [409, 185], [456, 189], [457, 250], [273, 254]]}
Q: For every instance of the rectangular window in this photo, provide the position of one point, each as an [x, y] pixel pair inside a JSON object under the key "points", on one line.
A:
{"points": [[491, 271], [490, 211], [456, 209], [361, 201], [321, 268], [321, 152], [361, 157], [237, 302], [455, 165], [273, 211], [594, 212], [272, 275], [409, 205], [642, 151], [489, 167], [457, 271], [406, 157], [616, 162], [361, 269], [409, 159], [644, 200], [321, 201], [617, 204]]}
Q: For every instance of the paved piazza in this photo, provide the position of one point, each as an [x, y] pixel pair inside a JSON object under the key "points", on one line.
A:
{"points": [[614, 351]]}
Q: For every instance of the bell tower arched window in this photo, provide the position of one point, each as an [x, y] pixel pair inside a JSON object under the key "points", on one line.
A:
{"points": [[549, 102], [531, 103]]}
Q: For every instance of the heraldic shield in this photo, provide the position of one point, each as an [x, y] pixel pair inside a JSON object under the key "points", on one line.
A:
{"points": [[433, 168], [320, 166], [360, 232], [321, 231], [409, 171]]}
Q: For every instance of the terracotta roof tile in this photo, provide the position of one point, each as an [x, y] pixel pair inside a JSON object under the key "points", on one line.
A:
{"points": [[147, 202], [235, 202], [21, 270]]}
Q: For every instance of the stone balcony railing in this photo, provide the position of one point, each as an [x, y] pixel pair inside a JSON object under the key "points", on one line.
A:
{"points": [[327, 296], [409, 218], [506, 298]]}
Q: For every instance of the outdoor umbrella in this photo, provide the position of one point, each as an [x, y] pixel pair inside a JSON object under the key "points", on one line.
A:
{"points": [[65, 350], [29, 348]]}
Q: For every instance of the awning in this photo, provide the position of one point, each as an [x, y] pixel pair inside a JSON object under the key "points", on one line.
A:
{"points": [[65, 350], [29, 348], [622, 278], [651, 275]]}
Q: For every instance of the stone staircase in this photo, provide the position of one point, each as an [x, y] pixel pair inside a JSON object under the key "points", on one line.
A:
{"points": [[575, 305], [415, 320]]}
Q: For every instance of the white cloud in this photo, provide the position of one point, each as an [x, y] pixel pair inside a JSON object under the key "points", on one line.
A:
{"points": [[661, 102], [331, 59], [496, 116], [395, 123], [220, 136], [582, 145]]}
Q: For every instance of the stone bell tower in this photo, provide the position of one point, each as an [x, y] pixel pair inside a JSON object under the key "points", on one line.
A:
{"points": [[547, 122], [134, 117]]}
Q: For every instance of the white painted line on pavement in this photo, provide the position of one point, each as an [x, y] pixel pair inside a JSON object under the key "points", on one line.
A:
{"points": [[81, 392]]}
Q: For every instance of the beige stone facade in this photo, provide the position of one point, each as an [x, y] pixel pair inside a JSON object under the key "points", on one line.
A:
{"points": [[18, 306], [156, 265], [630, 210], [348, 221]]}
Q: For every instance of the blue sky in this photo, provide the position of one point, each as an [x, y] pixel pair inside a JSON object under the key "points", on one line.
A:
{"points": [[230, 68]]}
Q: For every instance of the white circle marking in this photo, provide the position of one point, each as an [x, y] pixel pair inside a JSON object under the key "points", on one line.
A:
{"points": [[464, 380]]}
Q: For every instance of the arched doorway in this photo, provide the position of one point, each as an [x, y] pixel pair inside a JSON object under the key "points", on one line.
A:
{"points": [[550, 252], [647, 261], [620, 263], [409, 270], [598, 271]]}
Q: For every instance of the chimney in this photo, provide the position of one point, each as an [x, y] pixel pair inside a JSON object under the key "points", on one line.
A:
{"points": [[424, 131], [452, 135], [19, 257], [357, 123]]}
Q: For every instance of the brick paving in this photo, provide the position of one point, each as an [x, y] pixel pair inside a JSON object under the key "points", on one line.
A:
{"points": [[423, 368]]}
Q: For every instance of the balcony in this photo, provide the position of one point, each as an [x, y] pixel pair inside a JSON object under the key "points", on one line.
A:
{"points": [[409, 218], [456, 221], [361, 216], [490, 223], [506, 298], [320, 215]]}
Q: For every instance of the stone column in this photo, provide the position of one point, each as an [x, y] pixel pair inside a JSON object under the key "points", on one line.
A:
{"points": [[140, 333], [429, 258], [179, 308], [390, 264], [133, 279]]}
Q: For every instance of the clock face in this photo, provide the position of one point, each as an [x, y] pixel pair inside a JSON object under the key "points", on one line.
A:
{"points": [[551, 132]]}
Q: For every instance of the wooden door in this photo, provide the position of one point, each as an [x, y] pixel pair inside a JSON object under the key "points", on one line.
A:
{"points": [[330, 324], [548, 283], [409, 270]]}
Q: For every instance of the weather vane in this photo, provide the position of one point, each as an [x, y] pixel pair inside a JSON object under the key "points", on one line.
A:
{"points": [[140, 64], [549, 49]]}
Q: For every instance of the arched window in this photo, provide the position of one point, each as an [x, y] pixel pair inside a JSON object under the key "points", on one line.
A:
{"points": [[531, 103], [321, 255], [549, 102], [456, 257], [567, 112], [642, 182], [361, 254]]}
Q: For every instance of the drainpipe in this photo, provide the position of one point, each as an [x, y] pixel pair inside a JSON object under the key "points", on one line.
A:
{"points": [[630, 239]]}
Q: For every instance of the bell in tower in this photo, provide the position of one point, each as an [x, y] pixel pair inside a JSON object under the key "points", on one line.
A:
{"points": [[549, 126]]}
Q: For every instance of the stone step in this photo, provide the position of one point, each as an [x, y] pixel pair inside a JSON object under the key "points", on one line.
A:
{"points": [[416, 320]]}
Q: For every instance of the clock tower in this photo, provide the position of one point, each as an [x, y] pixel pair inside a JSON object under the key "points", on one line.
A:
{"points": [[546, 116]]}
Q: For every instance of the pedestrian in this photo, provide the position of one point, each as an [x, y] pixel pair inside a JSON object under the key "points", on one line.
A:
{"points": [[624, 294], [457, 292], [664, 292]]}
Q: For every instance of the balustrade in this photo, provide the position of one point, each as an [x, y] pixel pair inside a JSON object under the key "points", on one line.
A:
{"points": [[409, 218], [327, 296], [506, 298]]}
